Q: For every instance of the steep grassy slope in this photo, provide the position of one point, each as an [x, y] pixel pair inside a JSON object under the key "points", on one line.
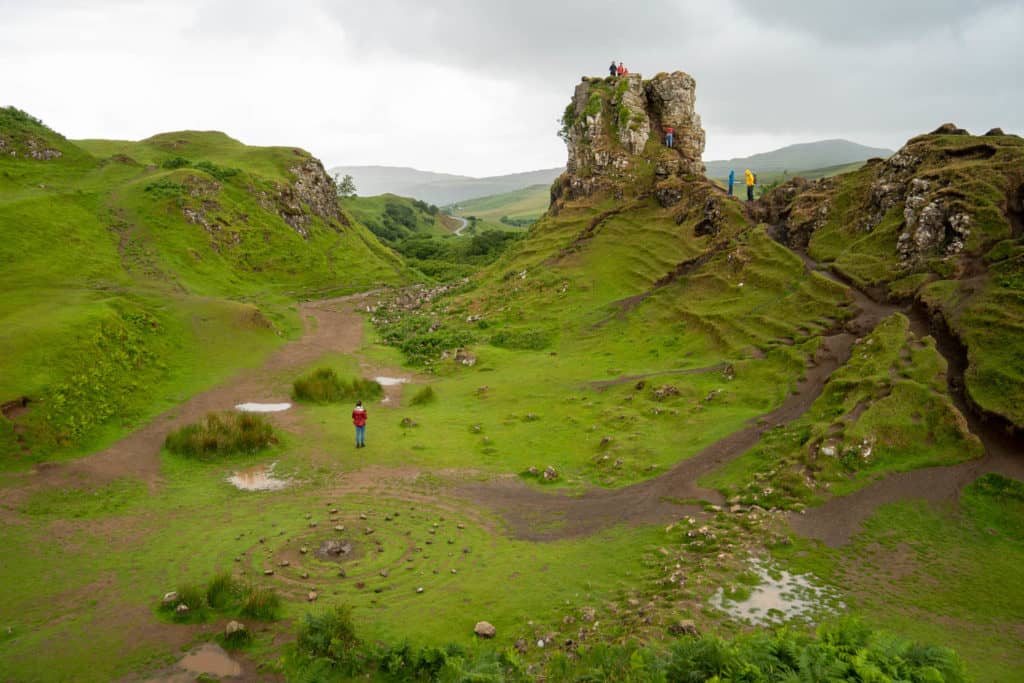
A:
{"points": [[135, 273], [939, 222]]}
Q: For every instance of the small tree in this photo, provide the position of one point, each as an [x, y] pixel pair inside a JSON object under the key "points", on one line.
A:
{"points": [[346, 187]]}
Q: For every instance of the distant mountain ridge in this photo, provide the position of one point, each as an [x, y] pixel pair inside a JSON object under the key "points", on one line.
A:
{"points": [[800, 157], [439, 188]]}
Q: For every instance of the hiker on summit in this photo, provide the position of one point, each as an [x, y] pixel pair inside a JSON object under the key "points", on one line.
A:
{"points": [[359, 420], [751, 179], [621, 71], [669, 130], [732, 180], [613, 70]]}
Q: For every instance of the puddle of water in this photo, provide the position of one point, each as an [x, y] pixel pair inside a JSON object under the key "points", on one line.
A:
{"points": [[210, 659], [780, 598], [260, 478], [262, 407], [390, 381]]}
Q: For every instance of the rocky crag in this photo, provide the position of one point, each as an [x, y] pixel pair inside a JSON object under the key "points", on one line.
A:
{"points": [[614, 130], [940, 223]]}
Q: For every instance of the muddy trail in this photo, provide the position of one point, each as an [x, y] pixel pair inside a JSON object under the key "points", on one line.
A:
{"points": [[533, 514], [331, 325], [839, 519]]}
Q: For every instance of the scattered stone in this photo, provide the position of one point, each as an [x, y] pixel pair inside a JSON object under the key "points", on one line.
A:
{"points": [[362, 515], [521, 646], [169, 598], [588, 614], [311, 525], [311, 596], [283, 563], [268, 572], [305, 575], [340, 527], [550, 473], [419, 589], [665, 391], [181, 609], [303, 550], [484, 629], [234, 627], [712, 394], [367, 531], [465, 358], [384, 572], [683, 627], [408, 422]]}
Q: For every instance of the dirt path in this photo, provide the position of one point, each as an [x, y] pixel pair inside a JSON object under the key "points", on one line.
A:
{"points": [[838, 520], [331, 325], [534, 514]]}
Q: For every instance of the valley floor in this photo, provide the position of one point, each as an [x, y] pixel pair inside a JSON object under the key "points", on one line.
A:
{"points": [[446, 531]]}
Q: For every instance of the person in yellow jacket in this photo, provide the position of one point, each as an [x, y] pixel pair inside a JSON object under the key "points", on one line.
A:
{"points": [[751, 179]]}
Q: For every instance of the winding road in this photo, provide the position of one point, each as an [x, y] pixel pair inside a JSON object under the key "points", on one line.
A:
{"points": [[465, 223]]}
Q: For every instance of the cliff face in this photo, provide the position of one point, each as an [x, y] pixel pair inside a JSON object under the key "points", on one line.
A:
{"points": [[614, 130]]}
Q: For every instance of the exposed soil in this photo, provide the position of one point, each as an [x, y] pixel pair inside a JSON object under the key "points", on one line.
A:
{"points": [[12, 410], [332, 325]]}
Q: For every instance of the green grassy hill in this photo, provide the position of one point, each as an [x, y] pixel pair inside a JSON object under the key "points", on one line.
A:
{"points": [[137, 272], [524, 205]]}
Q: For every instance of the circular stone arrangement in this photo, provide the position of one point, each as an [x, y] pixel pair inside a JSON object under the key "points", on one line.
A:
{"points": [[397, 552]]}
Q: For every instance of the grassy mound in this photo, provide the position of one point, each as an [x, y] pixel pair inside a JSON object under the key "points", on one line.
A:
{"points": [[222, 434], [324, 386]]}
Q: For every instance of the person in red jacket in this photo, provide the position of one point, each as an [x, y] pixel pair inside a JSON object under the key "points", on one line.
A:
{"points": [[669, 130], [359, 420], [621, 71]]}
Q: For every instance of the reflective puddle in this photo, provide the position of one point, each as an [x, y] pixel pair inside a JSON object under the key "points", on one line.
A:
{"points": [[262, 407], [390, 381], [778, 597], [260, 478]]}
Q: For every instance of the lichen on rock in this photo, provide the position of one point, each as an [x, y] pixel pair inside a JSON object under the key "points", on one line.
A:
{"points": [[613, 128]]}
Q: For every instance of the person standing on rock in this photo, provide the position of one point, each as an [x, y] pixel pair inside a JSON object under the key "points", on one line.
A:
{"points": [[621, 71], [359, 420], [750, 185], [732, 180], [613, 70], [669, 130]]}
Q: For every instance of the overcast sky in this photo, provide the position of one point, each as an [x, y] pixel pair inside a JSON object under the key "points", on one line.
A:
{"points": [[475, 87]]}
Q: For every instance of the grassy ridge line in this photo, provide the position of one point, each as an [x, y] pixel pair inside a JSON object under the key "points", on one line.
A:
{"points": [[130, 285]]}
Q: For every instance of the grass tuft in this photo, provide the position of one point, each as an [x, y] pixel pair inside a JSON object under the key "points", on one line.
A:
{"points": [[424, 396], [324, 386], [261, 603], [222, 434]]}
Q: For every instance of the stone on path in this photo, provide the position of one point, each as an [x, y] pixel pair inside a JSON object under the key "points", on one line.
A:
{"points": [[233, 627], [484, 629], [170, 598]]}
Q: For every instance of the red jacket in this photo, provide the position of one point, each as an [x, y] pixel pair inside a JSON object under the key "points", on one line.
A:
{"points": [[359, 417], [621, 70]]}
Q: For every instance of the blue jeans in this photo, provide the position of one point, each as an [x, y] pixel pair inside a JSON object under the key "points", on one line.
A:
{"points": [[668, 139], [361, 436]]}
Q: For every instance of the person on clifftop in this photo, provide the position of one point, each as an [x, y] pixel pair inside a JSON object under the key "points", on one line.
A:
{"points": [[621, 71], [669, 130], [751, 179], [359, 420], [613, 70], [732, 180]]}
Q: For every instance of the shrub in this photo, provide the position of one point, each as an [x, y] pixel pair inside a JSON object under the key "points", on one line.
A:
{"points": [[222, 434], [223, 591], [261, 603], [221, 173], [527, 340], [324, 386], [424, 396], [330, 635], [176, 162]]}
